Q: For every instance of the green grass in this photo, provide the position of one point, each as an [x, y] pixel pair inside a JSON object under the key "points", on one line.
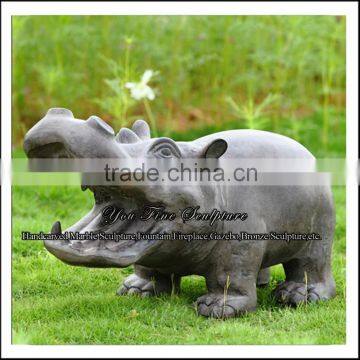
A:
{"points": [[54, 303]]}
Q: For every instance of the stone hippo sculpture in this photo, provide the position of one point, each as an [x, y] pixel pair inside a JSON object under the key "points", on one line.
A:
{"points": [[231, 268]]}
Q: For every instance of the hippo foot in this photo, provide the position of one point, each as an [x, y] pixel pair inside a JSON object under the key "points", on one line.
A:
{"points": [[220, 307], [135, 285], [293, 293]]}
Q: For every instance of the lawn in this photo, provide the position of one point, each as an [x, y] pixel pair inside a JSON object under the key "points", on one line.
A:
{"points": [[54, 303]]}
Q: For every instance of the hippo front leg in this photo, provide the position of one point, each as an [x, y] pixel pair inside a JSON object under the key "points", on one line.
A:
{"points": [[229, 295], [149, 282], [231, 282]]}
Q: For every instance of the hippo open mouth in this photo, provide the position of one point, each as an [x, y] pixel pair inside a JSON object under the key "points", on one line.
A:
{"points": [[48, 140], [100, 250]]}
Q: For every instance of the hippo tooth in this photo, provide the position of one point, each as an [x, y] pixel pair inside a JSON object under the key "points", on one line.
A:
{"points": [[60, 112], [56, 228]]}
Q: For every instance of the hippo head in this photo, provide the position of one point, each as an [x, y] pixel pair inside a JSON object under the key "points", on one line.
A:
{"points": [[60, 135]]}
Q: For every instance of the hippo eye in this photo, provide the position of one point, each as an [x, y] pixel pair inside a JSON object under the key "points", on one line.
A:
{"points": [[164, 148], [165, 151]]}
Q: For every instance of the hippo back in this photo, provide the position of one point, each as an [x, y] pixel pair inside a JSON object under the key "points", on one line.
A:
{"points": [[257, 144]]}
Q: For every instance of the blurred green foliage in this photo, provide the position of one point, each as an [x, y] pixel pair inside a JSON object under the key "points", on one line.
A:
{"points": [[255, 71]]}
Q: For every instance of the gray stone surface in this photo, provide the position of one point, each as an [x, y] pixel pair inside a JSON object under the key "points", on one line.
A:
{"points": [[231, 268]]}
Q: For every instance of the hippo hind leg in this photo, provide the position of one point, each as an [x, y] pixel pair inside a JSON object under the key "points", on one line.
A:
{"points": [[148, 282], [305, 282], [309, 277]]}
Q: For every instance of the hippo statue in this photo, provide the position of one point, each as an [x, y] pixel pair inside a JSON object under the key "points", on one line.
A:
{"points": [[232, 268]]}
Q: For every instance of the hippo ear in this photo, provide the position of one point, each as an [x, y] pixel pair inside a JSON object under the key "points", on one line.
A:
{"points": [[215, 149], [141, 129]]}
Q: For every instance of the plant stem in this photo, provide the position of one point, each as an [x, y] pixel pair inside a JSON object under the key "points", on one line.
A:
{"points": [[126, 79], [151, 117]]}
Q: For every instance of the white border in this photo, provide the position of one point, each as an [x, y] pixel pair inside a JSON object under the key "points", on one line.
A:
{"points": [[350, 9], [181, 8]]}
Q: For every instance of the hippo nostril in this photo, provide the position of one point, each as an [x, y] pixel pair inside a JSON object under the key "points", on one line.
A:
{"points": [[60, 112], [100, 124]]}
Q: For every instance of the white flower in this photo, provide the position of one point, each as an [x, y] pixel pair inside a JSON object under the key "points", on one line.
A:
{"points": [[142, 90]]}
